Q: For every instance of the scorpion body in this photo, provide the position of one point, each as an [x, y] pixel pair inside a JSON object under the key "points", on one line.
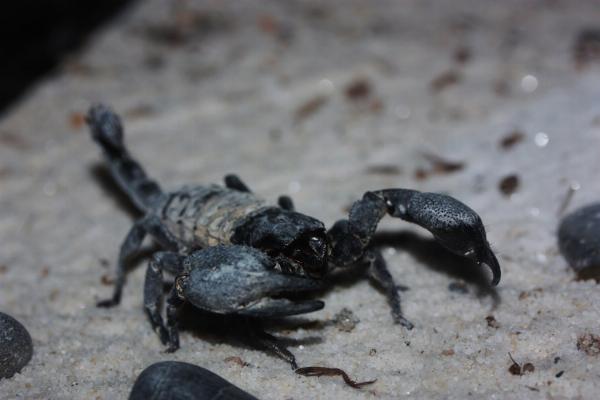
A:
{"points": [[233, 253]]}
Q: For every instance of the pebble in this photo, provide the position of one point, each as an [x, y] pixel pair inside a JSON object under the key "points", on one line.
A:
{"points": [[579, 237], [174, 380], [16, 347]]}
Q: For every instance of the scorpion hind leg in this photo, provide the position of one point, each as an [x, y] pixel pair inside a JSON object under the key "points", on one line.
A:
{"points": [[130, 246]]}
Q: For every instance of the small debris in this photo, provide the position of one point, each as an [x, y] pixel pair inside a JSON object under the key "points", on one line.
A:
{"points": [[345, 320], [587, 47], [573, 187], [533, 389], [76, 120], [44, 272], [509, 184], [372, 352], [445, 80], [462, 55], [10, 139], [559, 374], [458, 287], [140, 111], [501, 88], [107, 280], [16, 347], [516, 369], [267, 24], [359, 89], [439, 165], [236, 360], [271, 26], [185, 25], [376, 106], [309, 108], [442, 165], [589, 344], [491, 322], [384, 169], [528, 368], [526, 293], [556, 360], [448, 352], [512, 139], [324, 371]]}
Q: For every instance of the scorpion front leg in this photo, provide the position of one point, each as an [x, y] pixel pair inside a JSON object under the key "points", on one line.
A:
{"points": [[454, 225], [153, 295]]}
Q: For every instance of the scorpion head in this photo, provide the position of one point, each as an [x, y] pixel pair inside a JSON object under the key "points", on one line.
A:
{"points": [[298, 243]]}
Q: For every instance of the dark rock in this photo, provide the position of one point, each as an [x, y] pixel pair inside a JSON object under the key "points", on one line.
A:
{"points": [[16, 347], [579, 238], [173, 380]]}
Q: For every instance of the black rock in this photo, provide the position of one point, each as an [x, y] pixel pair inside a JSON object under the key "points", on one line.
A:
{"points": [[579, 238], [173, 380], [16, 347]]}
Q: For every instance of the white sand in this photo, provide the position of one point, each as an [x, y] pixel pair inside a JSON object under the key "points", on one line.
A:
{"points": [[224, 101]]}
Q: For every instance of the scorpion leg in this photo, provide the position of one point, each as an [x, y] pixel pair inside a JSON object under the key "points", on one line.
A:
{"points": [[130, 246], [260, 338], [379, 274], [161, 234], [286, 203], [233, 181], [174, 303], [153, 288]]}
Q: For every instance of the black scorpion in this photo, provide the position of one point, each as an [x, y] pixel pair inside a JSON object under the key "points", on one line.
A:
{"points": [[232, 253]]}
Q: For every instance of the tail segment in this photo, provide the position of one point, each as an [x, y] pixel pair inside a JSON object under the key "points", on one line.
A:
{"points": [[107, 131]]}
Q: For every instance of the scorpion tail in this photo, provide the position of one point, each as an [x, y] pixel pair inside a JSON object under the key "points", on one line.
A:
{"points": [[107, 131]]}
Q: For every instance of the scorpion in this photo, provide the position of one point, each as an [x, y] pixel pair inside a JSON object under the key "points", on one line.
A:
{"points": [[232, 253]]}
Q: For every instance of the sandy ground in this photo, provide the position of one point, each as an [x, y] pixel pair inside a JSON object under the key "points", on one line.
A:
{"points": [[261, 88]]}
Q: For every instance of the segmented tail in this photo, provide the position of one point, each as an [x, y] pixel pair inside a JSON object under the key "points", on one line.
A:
{"points": [[107, 131]]}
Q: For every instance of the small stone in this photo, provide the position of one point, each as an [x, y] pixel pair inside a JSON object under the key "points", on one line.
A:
{"points": [[345, 320], [16, 347], [509, 184], [589, 344], [173, 380], [579, 238]]}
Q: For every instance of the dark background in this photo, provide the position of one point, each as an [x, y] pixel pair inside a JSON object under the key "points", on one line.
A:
{"points": [[36, 34]]}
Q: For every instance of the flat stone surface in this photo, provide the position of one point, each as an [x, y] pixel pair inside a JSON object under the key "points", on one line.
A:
{"points": [[268, 90]]}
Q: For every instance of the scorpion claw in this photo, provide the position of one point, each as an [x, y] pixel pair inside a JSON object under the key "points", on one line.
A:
{"points": [[268, 307], [488, 258], [453, 224]]}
